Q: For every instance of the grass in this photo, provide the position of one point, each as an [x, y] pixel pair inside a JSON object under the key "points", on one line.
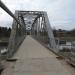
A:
{"points": [[4, 39], [68, 38]]}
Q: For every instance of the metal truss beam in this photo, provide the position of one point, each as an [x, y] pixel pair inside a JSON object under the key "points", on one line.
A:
{"points": [[30, 12], [35, 19]]}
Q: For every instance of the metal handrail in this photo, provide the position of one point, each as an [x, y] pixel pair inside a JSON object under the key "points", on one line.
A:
{"points": [[4, 7]]}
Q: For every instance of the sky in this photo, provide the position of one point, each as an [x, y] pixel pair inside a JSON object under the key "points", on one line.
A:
{"points": [[61, 13]]}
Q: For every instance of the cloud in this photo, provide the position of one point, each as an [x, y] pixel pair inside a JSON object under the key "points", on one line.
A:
{"points": [[60, 12]]}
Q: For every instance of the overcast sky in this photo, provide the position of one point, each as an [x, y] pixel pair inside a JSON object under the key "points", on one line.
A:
{"points": [[61, 12]]}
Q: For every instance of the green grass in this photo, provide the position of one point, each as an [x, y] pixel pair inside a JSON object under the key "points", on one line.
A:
{"points": [[68, 38], [4, 39]]}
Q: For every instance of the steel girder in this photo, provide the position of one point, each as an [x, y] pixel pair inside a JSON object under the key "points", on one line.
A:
{"points": [[39, 25]]}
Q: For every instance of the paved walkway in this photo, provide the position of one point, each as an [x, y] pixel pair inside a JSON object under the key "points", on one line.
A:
{"points": [[34, 59]]}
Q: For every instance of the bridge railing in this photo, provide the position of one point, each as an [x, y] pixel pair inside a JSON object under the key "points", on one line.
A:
{"points": [[17, 32], [17, 35], [41, 30]]}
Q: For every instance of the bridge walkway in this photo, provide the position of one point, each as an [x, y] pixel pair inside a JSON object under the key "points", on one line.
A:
{"points": [[34, 59]]}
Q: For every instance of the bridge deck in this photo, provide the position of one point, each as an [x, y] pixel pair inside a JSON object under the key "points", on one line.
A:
{"points": [[34, 59]]}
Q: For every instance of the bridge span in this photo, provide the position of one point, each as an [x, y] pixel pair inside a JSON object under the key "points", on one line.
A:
{"points": [[34, 59], [25, 55]]}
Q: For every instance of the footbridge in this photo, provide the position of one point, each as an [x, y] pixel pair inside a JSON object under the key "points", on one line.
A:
{"points": [[31, 45]]}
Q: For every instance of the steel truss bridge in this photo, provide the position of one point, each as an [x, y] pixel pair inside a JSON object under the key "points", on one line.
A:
{"points": [[36, 24]]}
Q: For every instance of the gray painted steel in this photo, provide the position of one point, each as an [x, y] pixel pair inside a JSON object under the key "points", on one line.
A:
{"points": [[50, 33], [39, 26], [37, 22]]}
